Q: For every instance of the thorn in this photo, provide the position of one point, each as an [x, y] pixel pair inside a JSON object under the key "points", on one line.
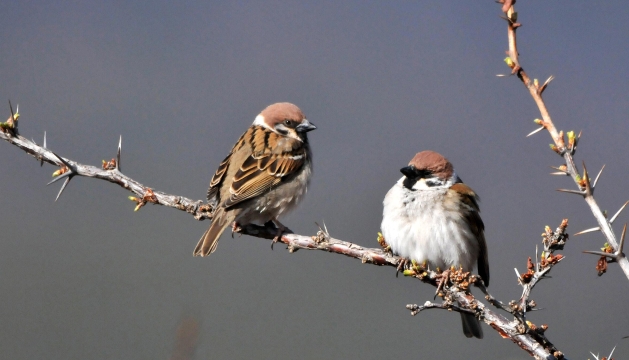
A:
{"points": [[535, 131], [62, 161], [611, 221], [611, 353], [118, 155], [71, 172], [541, 89], [65, 183], [559, 173], [563, 169], [597, 176], [62, 176], [587, 231], [599, 253], [622, 241], [602, 253], [17, 109], [12, 113], [578, 192], [41, 161], [517, 273], [586, 180]]}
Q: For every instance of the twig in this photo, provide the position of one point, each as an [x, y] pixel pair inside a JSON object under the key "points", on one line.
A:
{"points": [[459, 299], [74, 168], [566, 151]]}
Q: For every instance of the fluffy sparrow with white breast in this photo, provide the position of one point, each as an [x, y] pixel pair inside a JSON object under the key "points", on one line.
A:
{"points": [[431, 216], [265, 175]]}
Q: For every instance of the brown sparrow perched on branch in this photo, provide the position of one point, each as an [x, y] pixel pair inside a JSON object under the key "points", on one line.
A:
{"points": [[265, 175], [431, 216]]}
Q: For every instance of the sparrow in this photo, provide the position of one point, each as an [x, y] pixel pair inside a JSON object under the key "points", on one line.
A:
{"points": [[430, 216], [265, 175]]}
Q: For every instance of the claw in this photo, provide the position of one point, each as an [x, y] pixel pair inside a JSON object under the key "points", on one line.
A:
{"points": [[281, 229], [401, 266], [236, 229], [443, 279]]}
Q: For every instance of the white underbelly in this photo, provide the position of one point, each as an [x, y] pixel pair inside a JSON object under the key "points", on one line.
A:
{"points": [[425, 231]]}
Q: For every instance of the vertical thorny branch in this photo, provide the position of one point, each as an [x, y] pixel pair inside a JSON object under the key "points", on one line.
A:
{"points": [[613, 249]]}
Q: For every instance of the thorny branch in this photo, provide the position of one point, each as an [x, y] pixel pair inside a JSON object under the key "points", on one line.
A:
{"points": [[613, 249], [453, 285], [110, 171], [457, 281], [454, 289]]}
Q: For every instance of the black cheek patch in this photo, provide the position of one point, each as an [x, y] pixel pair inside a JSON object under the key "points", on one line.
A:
{"points": [[281, 131], [408, 183], [431, 183]]}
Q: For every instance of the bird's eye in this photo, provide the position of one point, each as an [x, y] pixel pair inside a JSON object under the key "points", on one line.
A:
{"points": [[424, 174], [288, 123]]}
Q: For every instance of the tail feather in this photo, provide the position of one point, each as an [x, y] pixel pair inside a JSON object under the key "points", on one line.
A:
{"points": [[471, 326], [209, 240]]}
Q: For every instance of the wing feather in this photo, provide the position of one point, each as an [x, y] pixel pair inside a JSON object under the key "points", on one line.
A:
{"points": [[470, 199], [213, 192], [265, 168]]}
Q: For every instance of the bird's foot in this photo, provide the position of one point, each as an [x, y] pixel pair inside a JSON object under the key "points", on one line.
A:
{"points": [[401, 266], [236, 228], [280, 230], [442, 280], [383, 243]]}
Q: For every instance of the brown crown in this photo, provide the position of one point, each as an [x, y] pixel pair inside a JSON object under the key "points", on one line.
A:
{"points": [[434, 162], [279, 112]]}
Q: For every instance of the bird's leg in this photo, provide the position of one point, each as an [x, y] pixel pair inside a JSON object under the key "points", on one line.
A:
{"points": [[281, 229], [236, 229], [442, 280], [401, 266]]}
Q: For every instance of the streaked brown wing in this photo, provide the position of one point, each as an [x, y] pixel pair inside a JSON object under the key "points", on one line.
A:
{"points": [[259, 173], [213, 191], [470, 199]]}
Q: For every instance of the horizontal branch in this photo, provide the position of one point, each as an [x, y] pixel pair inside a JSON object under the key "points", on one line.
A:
{"points": [[513, 330], [527, 339], [194, 207]]}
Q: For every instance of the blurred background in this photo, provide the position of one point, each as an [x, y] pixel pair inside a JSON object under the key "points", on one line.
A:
{"points": [[86, 277]]}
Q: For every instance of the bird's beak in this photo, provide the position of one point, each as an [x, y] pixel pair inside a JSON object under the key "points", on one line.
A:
{"points": [[305, 126], [408, 171]]}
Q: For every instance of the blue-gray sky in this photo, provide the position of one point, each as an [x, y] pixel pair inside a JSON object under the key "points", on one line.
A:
{"points": [[86, 277]]}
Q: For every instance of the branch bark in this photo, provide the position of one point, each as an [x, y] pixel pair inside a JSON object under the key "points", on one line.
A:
{"points": [[113, 175], [585, 189], [527, 339], [453, 285]]}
